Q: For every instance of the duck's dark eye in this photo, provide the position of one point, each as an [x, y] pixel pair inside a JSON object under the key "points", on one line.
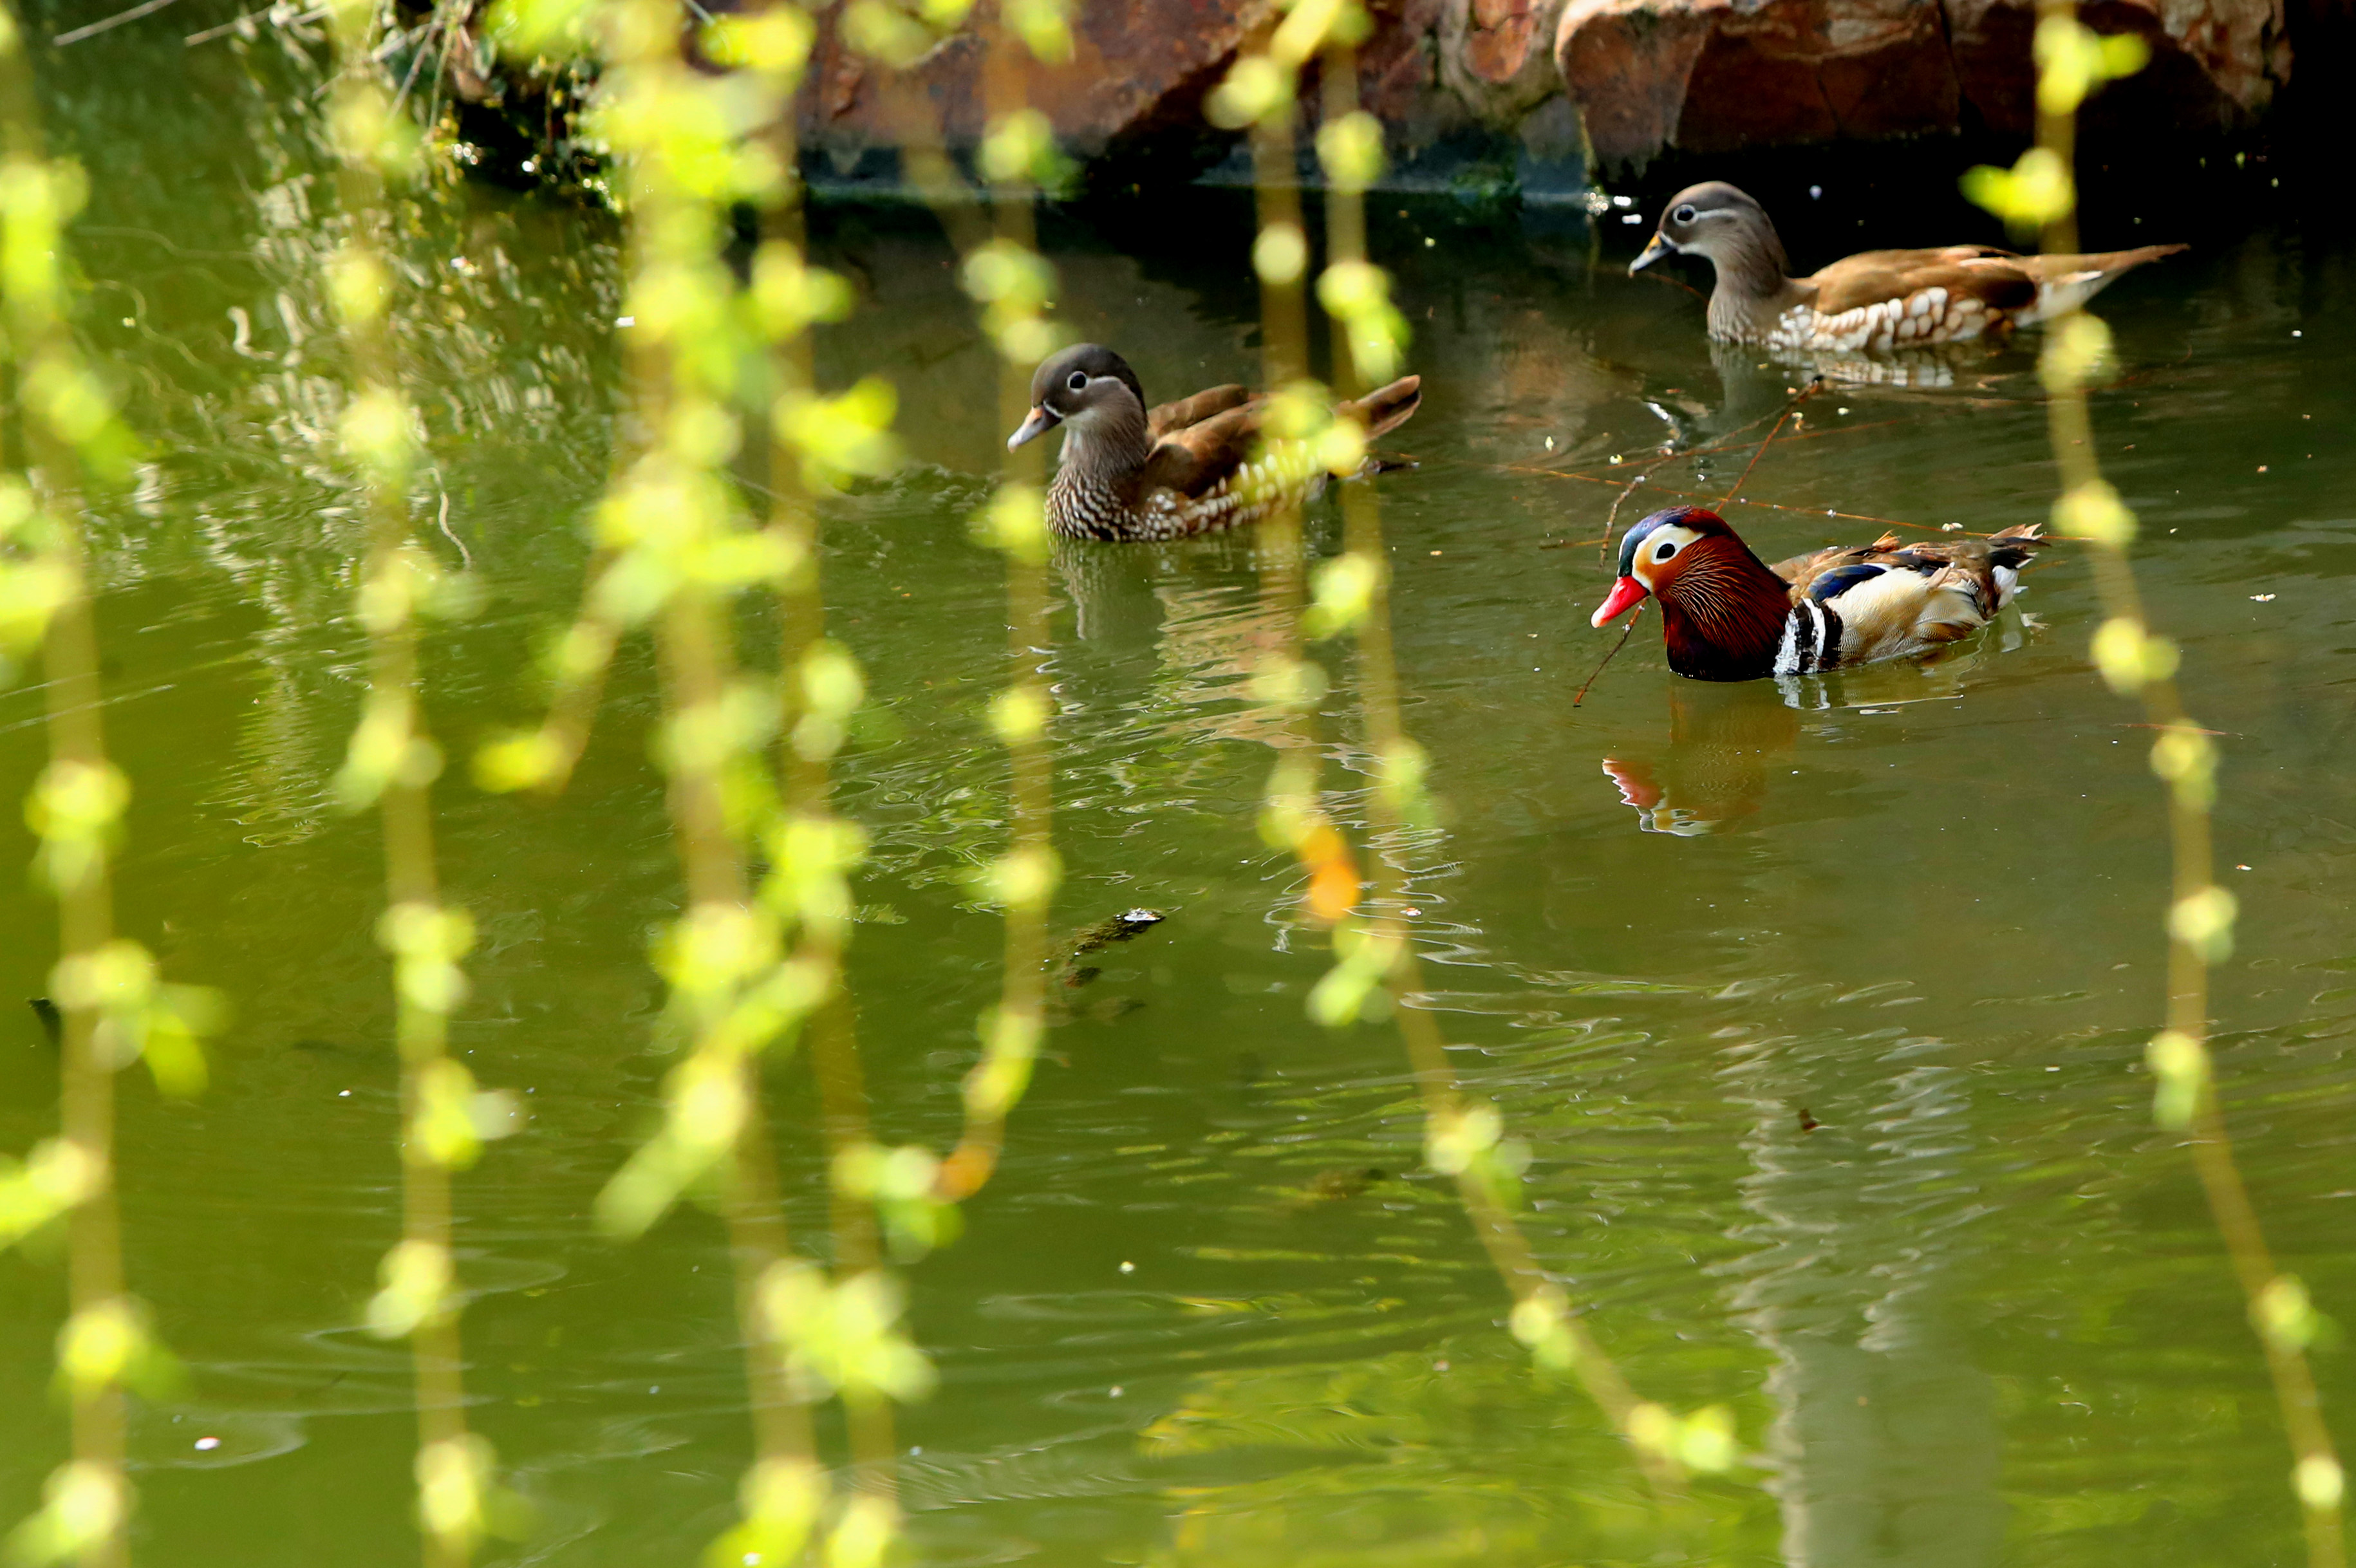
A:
{"points": [[1668, 548], [1683, 215], [1078, 381]]}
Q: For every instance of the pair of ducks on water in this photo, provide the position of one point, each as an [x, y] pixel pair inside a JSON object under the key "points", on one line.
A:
{"points": [[1133, 472]]}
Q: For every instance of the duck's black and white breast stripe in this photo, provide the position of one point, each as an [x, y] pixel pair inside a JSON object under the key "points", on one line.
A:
{"points": [[1812, 639]]}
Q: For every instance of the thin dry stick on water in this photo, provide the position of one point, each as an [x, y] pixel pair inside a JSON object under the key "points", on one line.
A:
{"points": [[2039, 193], [1810, 391], [1464, 1138], [1603, 547], [1612, 518], [112, 1006], [391, 764], [1625, 630]]}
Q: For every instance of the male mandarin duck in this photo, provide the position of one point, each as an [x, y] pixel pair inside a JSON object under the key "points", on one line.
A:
{"points": [[1727, 615], [1189, 467], [1876, 299]]}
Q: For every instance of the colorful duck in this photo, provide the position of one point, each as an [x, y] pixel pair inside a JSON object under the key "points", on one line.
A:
{"points": [[1189, 467], [1727, 615], [1875, 300]]}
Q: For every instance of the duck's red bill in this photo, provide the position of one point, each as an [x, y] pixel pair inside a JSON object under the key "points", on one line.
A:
{"points": [[1624, 594]]}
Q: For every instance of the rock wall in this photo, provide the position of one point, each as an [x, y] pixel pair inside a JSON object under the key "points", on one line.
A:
{"points": [[1710, 75], [1496, 95], [1140, 68]]}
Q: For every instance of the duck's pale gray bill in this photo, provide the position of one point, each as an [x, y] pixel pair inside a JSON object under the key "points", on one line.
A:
{"points": [[1659, 248], [1031, 428]]}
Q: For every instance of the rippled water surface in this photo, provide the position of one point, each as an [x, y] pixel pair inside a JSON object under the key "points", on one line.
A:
{"points": [[1823, 1007]]}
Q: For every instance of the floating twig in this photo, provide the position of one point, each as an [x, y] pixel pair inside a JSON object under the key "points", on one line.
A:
{"points": [[1615, 653], [1815, 385], [1612, 518]]}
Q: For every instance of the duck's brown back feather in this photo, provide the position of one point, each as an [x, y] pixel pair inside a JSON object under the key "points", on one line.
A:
{"points": [[1972, 559], [1195, 455], [1195, 459], [1160, 421], [1999, 279]]}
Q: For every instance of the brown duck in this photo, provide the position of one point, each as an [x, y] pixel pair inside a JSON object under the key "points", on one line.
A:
{"points": [[1195, 466], [1727, 615], [1876, 299]]}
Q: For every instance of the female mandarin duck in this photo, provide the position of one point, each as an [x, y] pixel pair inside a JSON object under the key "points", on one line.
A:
{"points": [[1190, 467], [1727, 615], [1876, 299]]}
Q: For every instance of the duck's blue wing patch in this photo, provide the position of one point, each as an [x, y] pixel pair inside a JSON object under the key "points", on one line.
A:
{"points": [[1841, 579]]}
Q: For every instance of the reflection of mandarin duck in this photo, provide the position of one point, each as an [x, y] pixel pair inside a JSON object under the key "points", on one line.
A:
{"points": [[1190, 467], [1727, 615], [1721, 738], [1876, 299]]}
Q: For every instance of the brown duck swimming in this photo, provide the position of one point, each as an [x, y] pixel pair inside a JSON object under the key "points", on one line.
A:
{"points": [[1727, 615], [1876, 299], [1189, 467]]}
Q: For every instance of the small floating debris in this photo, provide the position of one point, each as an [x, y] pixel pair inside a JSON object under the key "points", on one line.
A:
{"points": [[2261, 598], [1111, 929], [1808, 1124], [1102, 934]]}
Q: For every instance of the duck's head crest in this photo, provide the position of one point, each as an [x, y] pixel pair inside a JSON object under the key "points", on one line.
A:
{"points": [[1652, 550], [1084, 379]]}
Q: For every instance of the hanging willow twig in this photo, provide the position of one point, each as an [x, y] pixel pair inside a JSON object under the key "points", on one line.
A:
{"points": [[1464, 1139], [757, 954], [1260, 96], [1013, 283], [2039, 194], [391, 764], [113, 1006], [1001, 271]]}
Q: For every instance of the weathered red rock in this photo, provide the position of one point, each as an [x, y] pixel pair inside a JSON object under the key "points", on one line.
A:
{"points": [[1137, 66], [1497, 56], [1709, 76]]}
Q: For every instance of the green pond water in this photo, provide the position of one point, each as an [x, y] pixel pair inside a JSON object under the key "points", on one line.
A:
{"points": [[1827, 1048]]}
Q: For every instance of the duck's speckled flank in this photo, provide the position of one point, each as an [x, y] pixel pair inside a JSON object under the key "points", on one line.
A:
{"points": [[1082, 504], [1927, 317]]}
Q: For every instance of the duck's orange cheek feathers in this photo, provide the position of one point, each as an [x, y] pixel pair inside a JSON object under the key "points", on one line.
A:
{"points": [[1624, 594]]}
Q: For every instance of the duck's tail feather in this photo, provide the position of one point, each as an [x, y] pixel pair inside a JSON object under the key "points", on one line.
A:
{"points": [[2066, 282], [2014, 546], [1386, 409]]}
